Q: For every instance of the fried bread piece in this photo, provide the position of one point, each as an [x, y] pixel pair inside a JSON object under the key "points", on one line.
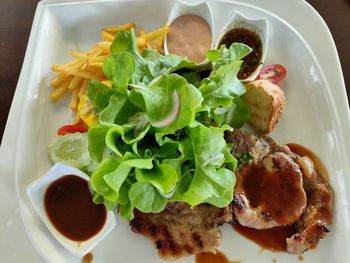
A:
{"points": [[266, 102]]}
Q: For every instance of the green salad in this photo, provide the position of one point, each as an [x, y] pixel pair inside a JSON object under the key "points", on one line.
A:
{"points": [[160, 136]]}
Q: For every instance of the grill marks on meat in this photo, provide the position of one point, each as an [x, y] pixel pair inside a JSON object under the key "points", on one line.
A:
{"points": [[269, 191], [180, 230], [316, 221], [313, 221]]}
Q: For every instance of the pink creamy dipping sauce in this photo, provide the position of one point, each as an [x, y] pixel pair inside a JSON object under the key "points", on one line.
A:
{"points": [[189, 36]]}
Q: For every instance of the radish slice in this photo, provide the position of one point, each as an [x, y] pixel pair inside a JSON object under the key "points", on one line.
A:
{"points": [[172, 116]]}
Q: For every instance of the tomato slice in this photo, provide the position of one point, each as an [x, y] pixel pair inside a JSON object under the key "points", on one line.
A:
{"points": [[274, 73], [71, 129]]}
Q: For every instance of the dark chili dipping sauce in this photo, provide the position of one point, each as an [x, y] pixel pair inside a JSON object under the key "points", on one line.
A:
{"points": [[250, 38], [69, 206]]}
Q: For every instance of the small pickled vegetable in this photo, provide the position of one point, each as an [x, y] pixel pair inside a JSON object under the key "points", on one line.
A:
{"points": [[72, 149]]}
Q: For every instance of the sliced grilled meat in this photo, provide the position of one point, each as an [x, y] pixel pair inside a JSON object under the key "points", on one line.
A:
{"points": [[269, 190], [316, 221], [180, 230]]}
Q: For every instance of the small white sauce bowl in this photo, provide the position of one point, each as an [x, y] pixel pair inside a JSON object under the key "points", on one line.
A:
{"points": [[259, 26], [181, 8], [36, 192]]}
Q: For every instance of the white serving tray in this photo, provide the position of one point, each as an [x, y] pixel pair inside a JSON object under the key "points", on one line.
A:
{"points": [[317, 116]]}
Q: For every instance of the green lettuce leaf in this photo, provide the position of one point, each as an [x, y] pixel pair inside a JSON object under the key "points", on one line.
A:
{"points": [[169, 102], [119, 110], [99, 95], [210, 178], [119, 68], [223, 86], [97, 140], [161, 134], [125, 42], [163, 176], [146, 198]]}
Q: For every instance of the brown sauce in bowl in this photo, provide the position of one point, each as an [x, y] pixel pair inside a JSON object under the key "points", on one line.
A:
{"points": [[189, 36], [250, 38], [69, 206]]}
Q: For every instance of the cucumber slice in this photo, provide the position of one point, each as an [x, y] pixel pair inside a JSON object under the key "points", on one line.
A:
{"points": [[72, 149]]}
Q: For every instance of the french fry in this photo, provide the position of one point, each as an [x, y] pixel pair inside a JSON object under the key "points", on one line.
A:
{"points": [[74, 100], [86, 58], [156, 33], [140, 43], [142, 32], [107, 36], [96, 64], [75, 75], [77, 119], [98, 71], [115, 29], [57, 93], [75, 72], [105, 46], [75, 82], [58, 80], [95, 51], [83, 88]]}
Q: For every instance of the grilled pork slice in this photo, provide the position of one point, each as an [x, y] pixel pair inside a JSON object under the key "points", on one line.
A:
{"points": [[269, 190], [180, 230], [316, 221]]}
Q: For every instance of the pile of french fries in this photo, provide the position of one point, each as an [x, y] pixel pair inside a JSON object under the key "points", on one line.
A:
{"points": [[75, 75]]}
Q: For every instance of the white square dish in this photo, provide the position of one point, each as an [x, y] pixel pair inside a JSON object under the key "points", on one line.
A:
{"points": [[36, 192], [316, 116]]}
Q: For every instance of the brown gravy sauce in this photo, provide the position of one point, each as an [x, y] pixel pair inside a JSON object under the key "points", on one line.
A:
{"points": [[189, 36], [277, 192], [87, 258], [250, 38], [273, 239], [69, 206], [219, 257], [303, 151]]}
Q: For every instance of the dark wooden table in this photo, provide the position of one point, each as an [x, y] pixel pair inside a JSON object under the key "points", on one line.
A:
{"points": [[16, 19]]}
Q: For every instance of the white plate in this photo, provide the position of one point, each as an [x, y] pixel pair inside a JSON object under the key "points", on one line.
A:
{"points": [[316, 116]]}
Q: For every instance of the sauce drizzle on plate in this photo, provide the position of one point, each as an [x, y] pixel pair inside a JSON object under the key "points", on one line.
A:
{"points": [[273, 239], [219, 257]]}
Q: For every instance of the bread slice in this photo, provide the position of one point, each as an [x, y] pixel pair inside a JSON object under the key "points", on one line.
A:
{"points": [[266, 102]]}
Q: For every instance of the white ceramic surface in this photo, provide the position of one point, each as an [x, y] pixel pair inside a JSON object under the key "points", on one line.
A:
{"points": [[36, 192], [317, 116]]}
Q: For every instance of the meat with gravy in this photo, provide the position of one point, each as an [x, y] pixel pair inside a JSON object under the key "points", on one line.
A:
{"points": [[315, 219]]}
